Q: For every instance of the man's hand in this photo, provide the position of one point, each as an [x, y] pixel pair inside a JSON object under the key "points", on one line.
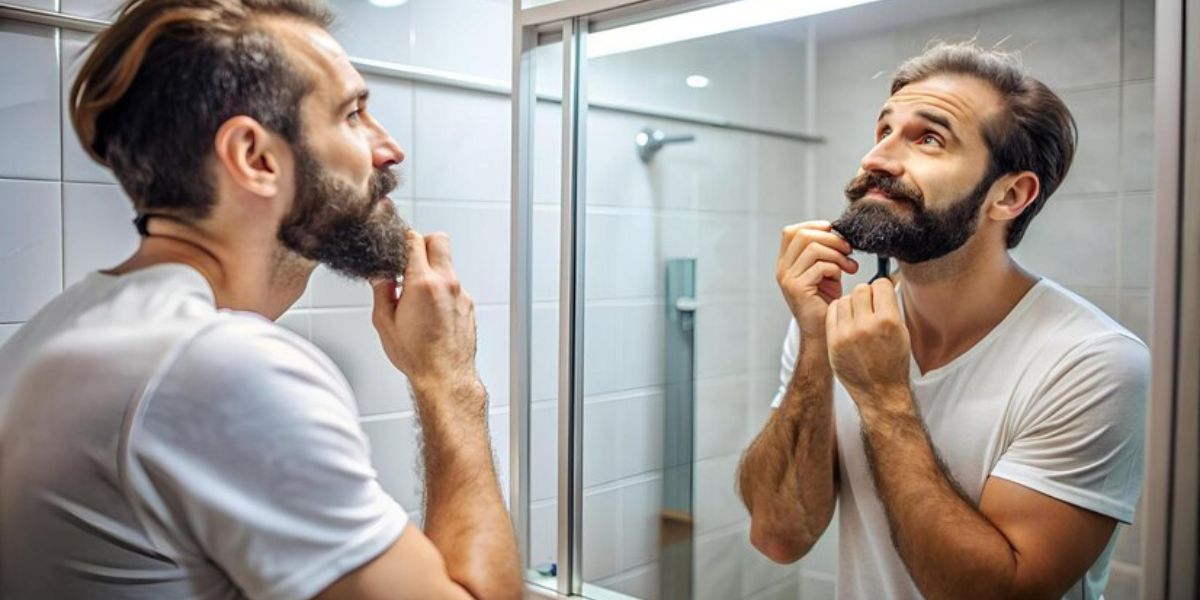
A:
{"points": [[868, 343], [812, 258], [429, 331]]}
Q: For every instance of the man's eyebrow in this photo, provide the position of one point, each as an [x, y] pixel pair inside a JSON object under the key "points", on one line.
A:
{"points": [[938, 120], [883, 113], [354, 97]]}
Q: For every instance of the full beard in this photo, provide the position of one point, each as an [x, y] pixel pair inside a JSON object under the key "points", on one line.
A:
{"points": [[925, 235], [358, 235]]}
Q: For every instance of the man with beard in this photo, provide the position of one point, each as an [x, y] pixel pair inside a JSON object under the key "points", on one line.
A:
{"points": [[984, 434], [162, 437]]}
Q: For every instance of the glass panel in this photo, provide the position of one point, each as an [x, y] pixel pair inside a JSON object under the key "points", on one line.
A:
{"points": [[717, 197], [543, 463]]}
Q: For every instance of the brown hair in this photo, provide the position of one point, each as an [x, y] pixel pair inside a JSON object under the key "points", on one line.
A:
{"points": [[163, 78], [1036, 133]]}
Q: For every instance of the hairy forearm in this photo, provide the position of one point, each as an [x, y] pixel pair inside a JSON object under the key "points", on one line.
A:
{"points": [[786, 478], [464, 508], [951, 550]]}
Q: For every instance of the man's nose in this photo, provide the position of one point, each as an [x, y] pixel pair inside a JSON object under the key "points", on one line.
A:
{"points": [[387, 151], [884, 158]]}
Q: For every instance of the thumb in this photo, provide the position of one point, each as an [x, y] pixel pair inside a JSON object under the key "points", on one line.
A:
{"points": [[385, 297]]}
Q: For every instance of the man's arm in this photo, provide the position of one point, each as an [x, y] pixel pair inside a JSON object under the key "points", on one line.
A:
{"points": [[1018, 543], [468, 549], [787, 477]]}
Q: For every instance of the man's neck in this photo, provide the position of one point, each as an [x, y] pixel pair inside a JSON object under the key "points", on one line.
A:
{"points": [[260, 278], [952, 303]]}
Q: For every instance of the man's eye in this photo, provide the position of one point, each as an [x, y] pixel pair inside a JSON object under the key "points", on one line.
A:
{"points": [[354, 116], [884, 132], [931, 139]]}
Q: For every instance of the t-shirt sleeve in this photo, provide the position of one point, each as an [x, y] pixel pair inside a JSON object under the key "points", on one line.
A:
{"points": [[248, 453], [787, 361], [1081, 440]]}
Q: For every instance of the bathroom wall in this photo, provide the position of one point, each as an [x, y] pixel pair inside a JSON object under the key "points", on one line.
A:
{"points": [[1094, 235]]}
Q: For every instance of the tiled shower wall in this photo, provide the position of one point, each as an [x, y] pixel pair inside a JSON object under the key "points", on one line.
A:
{"points": [[1094, 235]]}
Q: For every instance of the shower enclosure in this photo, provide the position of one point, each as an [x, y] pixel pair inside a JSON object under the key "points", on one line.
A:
{"points": [[655, 159]]}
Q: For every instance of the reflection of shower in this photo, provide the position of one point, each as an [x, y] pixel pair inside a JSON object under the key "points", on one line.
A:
{"points": [[649, 141]]}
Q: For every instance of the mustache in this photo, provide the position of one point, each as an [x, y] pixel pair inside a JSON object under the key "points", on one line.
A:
{"points": [[893, 187], [382, 182]]}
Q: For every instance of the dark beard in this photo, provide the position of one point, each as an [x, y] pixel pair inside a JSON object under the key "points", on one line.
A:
{"points": [[335, 225], [926, 235]]}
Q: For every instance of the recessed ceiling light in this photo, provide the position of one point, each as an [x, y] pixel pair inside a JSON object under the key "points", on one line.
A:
{"points": [[387, 3], [697, 81]]}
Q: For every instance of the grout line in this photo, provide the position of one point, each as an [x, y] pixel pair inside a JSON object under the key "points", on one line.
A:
{"points": [[62, 169]]}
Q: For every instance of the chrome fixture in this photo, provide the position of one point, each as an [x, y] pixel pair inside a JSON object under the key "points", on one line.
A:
{"points": [[649, 141]]}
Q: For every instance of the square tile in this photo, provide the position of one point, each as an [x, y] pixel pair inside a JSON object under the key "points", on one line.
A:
{"points": [[547, 253], [77, 165], [1066, 44], [374, 32], [297, 321], [1123, 584], [813, 587], [543, 451], [1097, 164], [42, 4], [462, 145], [1137, 241], [395, 456], [640, 432], [97, 227], [1136, 313], [1138, 51], [717, 574], [641, 523], [491, 358], [1073, 242], [601, 541], [30, 247], [105, 10], [716, 502], [1137, 137], [722, 338], [721, 412], [724, 255], [348, 337], [29, 113], [479, 238], [7, 330], [471, 37], [622, 256]]}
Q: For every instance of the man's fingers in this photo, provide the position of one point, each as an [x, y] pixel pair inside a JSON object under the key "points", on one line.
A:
{"points": [[884, 297], [817, 252], [418, 260], [797, 240], [438, 246], [789, 232], [385, 298], [862, 300], [820, 271]]}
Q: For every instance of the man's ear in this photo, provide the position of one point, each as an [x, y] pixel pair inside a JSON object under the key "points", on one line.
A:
{"points": [[249, 155], [1018, 190]]}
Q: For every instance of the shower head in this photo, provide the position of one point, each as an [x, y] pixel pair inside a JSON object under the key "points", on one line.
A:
{"points": [[649, 141]]}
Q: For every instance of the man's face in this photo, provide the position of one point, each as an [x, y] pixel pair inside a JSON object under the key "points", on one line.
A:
{"points": [[341, 216], [918, 192]]}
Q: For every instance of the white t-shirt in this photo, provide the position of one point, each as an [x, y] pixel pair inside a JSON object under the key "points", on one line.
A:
{"points": [[1053, 398], [152, 446]]}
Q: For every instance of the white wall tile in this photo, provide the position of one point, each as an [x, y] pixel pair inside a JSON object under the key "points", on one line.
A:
{"points": [[547, 251], [601, 536], [721, 413], [473, 37], [823, 557], [479, 239], [29, 115], [1135, 312], [77, 165], [617, 177], [813, 587], [716, 501], [462, 145], [1073, 242], [717, 574], [7, 330], [641, 582], [543, 534], [760, 573], [1123, 584], [97, 9], [543, 451], [30, 247], [601, 446], [394, 454], [722, 338], [1137, 137], [781, 169], [1097, 164], [547, 152], [491, 359], [622, 256], [329, 289], [1138, 21], [97, 227], [348, 337], [42, 4], [369, 31], [641, 523], [297, 321], [623, 347], [770, 319], [724, 254], [640, 432], [725, 170], [1137, 241], [544, 352], [1067, 43]]}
